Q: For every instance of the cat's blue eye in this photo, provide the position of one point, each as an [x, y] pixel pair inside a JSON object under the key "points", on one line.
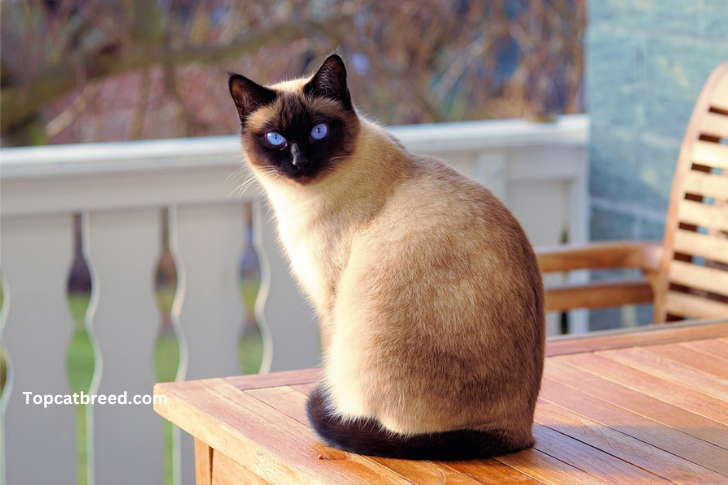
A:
{"points": [[319, 131], [275, 139]]}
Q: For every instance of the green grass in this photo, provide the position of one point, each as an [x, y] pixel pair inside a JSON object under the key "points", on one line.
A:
{"points": [[250, 350], [80, 363]]}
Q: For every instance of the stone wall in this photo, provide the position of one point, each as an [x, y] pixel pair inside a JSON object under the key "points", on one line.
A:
{"points": [[647, 61]]}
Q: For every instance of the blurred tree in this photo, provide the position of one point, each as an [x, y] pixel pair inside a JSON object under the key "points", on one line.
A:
{"points": [[102, 70]]}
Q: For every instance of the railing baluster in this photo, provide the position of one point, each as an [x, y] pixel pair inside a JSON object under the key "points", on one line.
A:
{"points": [[207, 242], [36, 254], [43, 186], [126, 440]]}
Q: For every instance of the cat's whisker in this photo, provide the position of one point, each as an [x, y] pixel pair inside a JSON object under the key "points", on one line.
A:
{"points": [[240, 190], [235, 179]]}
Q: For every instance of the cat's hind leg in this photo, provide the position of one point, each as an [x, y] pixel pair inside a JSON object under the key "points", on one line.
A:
{"points": [[369, 437]]}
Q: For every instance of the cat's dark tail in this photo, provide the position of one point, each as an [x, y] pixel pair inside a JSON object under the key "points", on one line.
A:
{"points": [[368, 437]]}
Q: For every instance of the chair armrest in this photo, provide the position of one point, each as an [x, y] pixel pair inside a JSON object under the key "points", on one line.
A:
{"points": [[601, 255], [644, 256], [600, 294]]}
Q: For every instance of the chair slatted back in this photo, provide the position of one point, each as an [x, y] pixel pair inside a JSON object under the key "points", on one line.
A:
{"points": [[693, 278]]}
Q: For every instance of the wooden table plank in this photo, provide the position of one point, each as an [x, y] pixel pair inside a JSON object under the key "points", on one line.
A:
{"points": [[541, 467], [664, 413], [284, 451], [671, 392], [304, 388], [589, 459], [345, 464], [670, 370], [716, 348], [292, 402], [226, 471], [619, 339], [646, 430], [203, 463], [434, 472], [682, 353], [625, 447], [497, 471], [620, 407], [285, 399], [285, 378]]}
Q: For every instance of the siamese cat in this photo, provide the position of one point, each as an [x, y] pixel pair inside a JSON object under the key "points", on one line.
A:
{"points": [[428, 292]]}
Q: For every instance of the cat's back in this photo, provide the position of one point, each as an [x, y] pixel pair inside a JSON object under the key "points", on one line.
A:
{"points": [[435, 204], [445, 286], [447, 241]]}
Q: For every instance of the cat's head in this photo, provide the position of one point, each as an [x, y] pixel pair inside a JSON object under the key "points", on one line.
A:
{"points": [[300, 130]]}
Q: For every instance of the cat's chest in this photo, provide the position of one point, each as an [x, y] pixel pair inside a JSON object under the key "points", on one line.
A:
{"points": [[317, 256]]}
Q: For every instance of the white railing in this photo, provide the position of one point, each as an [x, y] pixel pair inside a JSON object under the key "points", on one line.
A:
{"points": [[121, 189]]}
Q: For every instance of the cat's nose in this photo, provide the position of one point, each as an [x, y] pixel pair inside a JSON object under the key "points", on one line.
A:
{"points": [[299, 159]]}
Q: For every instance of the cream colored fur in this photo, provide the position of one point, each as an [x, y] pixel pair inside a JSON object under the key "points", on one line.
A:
{"points": [[424, 285]]}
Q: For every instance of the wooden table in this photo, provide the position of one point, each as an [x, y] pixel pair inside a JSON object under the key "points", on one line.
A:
{"points": [[646, 406]]}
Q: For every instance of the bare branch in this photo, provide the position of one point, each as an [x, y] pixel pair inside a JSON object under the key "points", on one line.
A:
{"points": [[137, 119], [19, 101], [382, 65], [61, 122], [170, 85]]}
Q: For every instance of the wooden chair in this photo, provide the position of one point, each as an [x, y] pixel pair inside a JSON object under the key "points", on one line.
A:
{"points": [[687, 275]]}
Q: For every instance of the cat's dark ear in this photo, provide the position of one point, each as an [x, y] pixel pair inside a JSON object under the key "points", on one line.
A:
{"points": [[248, 95], [330, 82]]}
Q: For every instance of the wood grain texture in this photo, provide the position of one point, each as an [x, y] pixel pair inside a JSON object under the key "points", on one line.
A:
{"points": [[291, 402], [685, 355], [697, 244], [623, 446], [433, 472], [714, 124], [665, 414], [545, 468], [706, 184], [284, 378], [589, 459], [203, 463], [600, 255], [713, 347], [684, 304], [227, 472], [641, 428], [283, 450], [699, 277], [645, 406], [670, 370], [675, 393], [597, 294], [650, 335], [710, 154], [490, 471]]}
